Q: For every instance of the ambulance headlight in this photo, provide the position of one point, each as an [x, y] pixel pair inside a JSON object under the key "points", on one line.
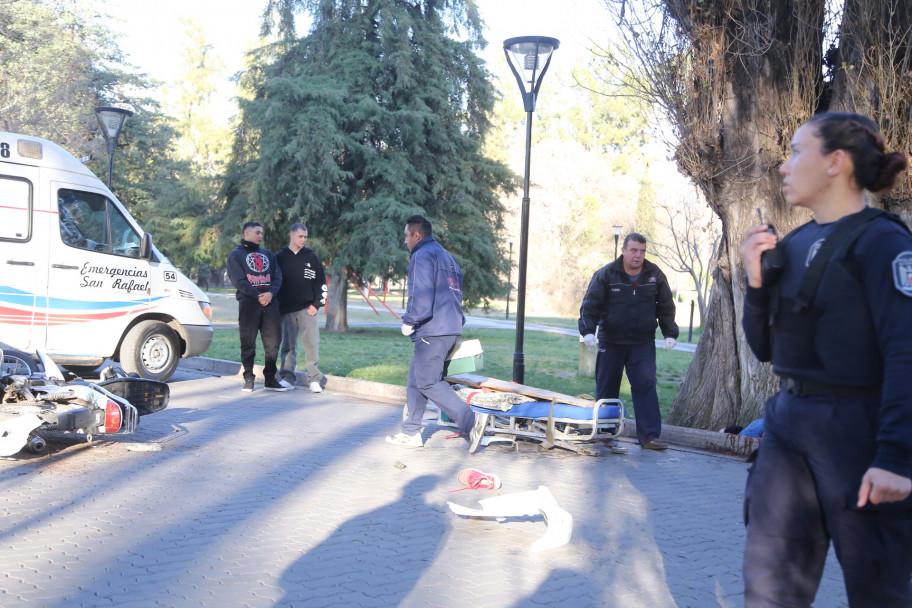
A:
{"points": [[207, 310]]}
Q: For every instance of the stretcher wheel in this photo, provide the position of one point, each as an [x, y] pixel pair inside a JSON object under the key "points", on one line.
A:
{"points": [[477, 432]]}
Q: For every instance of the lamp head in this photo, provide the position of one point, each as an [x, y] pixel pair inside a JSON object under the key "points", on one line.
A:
{"points": [[529, 57], [111, 120]]}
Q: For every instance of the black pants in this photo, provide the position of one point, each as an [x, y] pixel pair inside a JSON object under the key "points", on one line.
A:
{"points": [[253, 317], [800, 494], [640, 363]]}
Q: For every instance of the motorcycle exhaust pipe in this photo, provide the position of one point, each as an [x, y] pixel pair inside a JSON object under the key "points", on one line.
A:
{"points": [[36, 444]]}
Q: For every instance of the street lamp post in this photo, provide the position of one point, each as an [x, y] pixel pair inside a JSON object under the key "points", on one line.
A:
{"points": [[111, 121], [617, 233], [510, 286], [529, 58]]}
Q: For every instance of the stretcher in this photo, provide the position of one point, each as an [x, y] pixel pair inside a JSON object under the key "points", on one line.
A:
{"points": [[511, 412], [572, 427]]}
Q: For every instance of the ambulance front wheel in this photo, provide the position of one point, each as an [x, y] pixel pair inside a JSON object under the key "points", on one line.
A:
{"points": [[150, 349]]}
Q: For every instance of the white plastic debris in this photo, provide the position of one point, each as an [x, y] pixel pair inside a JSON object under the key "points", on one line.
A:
{"points": [[14, 432], [144, 447], [519, 504]]}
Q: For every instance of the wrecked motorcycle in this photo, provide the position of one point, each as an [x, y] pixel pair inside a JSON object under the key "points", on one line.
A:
{"points": [[35, 399]]}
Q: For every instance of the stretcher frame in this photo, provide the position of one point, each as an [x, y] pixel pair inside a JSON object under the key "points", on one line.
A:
{"points": [[552, 424]]}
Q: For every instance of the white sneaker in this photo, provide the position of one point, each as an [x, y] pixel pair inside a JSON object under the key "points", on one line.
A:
{"points": [[409, 441], [315, 387], [287, 384]]}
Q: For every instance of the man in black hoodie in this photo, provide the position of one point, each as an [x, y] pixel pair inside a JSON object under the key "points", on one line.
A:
{"points": [[302, 294], [624, 300], [256, 276]]}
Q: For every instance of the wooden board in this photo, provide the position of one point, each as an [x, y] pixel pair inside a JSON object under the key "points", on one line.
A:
{"points": [[502, 386]]}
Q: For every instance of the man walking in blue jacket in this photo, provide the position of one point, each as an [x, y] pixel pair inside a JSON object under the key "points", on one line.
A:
{"points": [[433, 320]]}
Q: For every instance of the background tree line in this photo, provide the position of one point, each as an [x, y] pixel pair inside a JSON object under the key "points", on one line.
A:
{"points": [[383, 108], [380, 110]]}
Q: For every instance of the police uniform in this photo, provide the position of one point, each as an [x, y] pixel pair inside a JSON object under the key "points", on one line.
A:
{"points": [[844, 357]]}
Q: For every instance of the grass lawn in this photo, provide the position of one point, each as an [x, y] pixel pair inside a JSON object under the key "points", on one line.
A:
{"points": [[382, 354]]}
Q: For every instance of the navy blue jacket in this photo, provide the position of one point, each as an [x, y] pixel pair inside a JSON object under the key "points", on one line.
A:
{"points": [[856, 332], [435, 291]]}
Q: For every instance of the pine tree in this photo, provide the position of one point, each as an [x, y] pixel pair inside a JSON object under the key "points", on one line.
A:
{"points": [[377, 114]]}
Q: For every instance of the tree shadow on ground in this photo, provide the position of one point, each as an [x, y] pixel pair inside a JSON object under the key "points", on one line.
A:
{"points": [[373, 559]]}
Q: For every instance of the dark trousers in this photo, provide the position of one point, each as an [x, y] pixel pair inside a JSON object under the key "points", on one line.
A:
{"points": [[800, 493], [640, 363], [252, 318], [425, 381]]}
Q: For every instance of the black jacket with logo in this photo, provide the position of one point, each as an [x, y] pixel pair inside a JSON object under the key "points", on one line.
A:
{"points": [[253, 270], [626, 313], [303, 280]]}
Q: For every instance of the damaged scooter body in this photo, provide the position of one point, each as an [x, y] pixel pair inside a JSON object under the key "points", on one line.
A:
{"points": [[44, 401]]}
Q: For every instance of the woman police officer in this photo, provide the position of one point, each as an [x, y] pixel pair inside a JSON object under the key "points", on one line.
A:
{"points": [[836, 458]]}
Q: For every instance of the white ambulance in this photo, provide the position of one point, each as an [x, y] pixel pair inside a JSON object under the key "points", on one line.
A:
{"points": [[79, 279]]}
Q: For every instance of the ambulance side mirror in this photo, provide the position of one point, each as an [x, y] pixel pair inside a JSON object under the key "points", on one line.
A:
{"points": [[145, 247]]}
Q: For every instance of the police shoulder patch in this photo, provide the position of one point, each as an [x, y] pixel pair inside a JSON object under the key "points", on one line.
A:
{"points": [[902, 273]]}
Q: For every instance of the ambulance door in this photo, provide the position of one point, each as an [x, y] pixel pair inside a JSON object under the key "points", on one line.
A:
{"points": [[23, 258], [97, 283]]}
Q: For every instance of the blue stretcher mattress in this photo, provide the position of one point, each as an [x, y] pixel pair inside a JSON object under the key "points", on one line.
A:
{"points": [[540, 409]]}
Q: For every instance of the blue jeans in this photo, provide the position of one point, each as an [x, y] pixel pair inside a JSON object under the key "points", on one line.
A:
{"points": [[801, 493], [640, 363], [425, 381]]}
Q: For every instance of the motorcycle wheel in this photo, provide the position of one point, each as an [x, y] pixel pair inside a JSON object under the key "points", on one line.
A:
{"points": [[17, 363]]}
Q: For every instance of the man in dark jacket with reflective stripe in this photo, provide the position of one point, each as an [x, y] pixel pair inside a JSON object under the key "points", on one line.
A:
{"points": [[434, 320], [626, 300]]}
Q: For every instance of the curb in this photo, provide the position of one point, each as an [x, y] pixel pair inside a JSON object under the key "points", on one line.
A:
{"points": [[365, 389], [678, 436]]}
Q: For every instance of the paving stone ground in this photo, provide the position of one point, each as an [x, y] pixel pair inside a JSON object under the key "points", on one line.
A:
{"points": [[293, 499]]}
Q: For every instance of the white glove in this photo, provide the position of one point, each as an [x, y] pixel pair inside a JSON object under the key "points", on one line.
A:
{"points": [[670, 343], [407, 330], [589, 340]]}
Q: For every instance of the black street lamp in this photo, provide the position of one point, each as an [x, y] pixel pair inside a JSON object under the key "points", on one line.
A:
{"points": [[111, 121], [529, 58], [510, 286], [617, 233]]}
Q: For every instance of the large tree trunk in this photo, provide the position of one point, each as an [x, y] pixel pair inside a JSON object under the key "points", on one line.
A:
{"points": [[873, 63], [736, 79], [337, 306], [755, 95], [724, 385]]}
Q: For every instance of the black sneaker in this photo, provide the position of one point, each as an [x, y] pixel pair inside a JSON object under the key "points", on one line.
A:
{"points": [[248, 386], [273, 385]]}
